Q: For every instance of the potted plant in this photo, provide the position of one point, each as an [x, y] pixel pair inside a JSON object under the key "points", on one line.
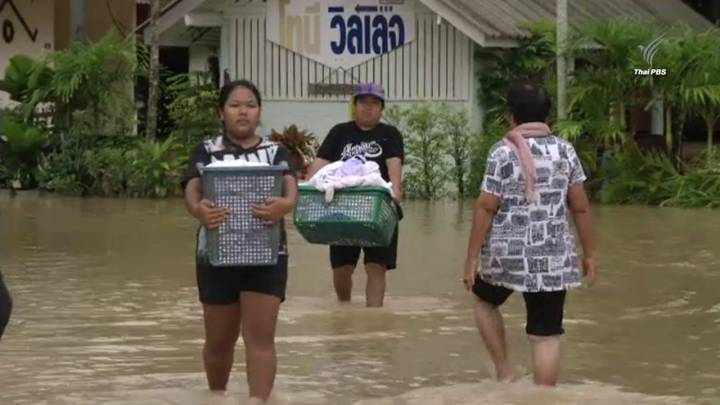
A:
{"points": [[302, 145]]}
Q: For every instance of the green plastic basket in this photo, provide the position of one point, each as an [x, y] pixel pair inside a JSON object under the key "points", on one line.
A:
{"points": [[242, 240], [359, 216]]}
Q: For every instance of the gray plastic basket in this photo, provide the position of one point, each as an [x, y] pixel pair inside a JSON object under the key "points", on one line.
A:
{"points": [[242, 240]]}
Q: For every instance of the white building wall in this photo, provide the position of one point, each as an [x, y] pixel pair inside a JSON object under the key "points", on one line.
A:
{"points": [[436, 67], [198, 57]]}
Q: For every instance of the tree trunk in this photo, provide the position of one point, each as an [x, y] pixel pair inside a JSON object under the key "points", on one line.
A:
{"points": [[709, 139], [426, 167], [710, 126], [678, 139], [561, 28], [154, 74], [459, 179], [668, 130]]}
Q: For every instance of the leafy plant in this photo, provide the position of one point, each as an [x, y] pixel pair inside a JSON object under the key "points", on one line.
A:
{"points": [[90, 85], [494, 129], [63, 170], [700, 186], [155, 168], [109, 170], [688, 56], [22, 75], [637, 178], [85, 164], [607, 79], [426, 150], [532, 59], [22, 145], [701, 92], [194, 110], [454, 123]]}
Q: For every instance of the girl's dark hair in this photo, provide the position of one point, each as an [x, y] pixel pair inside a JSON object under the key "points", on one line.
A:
{"points": [[229, 87], [528, 102]]}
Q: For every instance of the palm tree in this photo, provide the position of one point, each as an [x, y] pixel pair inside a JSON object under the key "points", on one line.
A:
{"points": [[89, 78], [702, 91], [688, 85], [601, 91]]}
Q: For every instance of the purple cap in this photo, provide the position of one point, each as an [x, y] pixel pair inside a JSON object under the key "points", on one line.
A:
{"points": [[371, 89]]}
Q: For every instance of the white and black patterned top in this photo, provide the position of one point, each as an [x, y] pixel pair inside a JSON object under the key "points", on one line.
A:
{"points": [[531, 247]]}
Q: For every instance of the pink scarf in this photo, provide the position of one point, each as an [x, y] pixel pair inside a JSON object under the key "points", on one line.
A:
{"points": [[516, 138]]}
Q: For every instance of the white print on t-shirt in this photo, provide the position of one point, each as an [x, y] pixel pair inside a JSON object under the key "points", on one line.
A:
{"points": [[368, 149], [263, 153]]}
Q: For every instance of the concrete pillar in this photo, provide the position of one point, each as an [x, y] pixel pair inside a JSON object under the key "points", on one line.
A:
{"points": [[78, 25], [657, 115]]}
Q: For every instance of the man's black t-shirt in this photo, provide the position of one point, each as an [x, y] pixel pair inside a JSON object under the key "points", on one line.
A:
{"points": [[347, 140]]}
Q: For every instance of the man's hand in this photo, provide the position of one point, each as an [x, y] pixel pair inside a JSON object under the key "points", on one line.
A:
{"points": [[273, 210], [397, 194], [210, 215], [589, 268], [470, 273]]}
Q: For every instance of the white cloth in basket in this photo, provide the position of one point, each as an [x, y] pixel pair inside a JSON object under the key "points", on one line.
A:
{"points": [[350, 173]]}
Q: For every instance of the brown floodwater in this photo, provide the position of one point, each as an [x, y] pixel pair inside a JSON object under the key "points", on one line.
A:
{"points": [[106, 312]]}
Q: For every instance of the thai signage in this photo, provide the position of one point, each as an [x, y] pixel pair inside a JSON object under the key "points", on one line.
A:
{"points": [[17, 25], [341, 33]]}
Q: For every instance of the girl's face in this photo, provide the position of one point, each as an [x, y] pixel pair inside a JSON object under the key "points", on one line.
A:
{"points": [[241, 113]]}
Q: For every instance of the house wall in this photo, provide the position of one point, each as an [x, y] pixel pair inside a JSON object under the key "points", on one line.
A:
{"points": [[62, 24], [437, 66], [103, 16]]}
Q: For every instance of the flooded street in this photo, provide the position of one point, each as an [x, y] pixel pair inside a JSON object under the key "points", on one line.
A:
{"points": [[106, 312]]}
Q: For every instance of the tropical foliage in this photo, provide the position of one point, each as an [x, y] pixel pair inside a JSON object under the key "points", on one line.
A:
{"points": [[603, 88]]}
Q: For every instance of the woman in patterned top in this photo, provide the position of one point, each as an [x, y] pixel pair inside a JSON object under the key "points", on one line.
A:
{"points": [[239, 300], [520, 231]]}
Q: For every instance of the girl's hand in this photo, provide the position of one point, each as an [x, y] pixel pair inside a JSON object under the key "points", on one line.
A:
{"points": [[274, 209], [210, 215]]}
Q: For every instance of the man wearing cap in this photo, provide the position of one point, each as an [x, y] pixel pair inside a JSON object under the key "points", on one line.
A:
{"points": [[368, 137]]}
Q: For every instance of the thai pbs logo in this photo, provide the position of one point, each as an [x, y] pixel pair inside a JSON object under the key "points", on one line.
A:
{"points": [[648, 53]]}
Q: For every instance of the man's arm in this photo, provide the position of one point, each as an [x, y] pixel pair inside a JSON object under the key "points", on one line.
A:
{"points": [[486, 207], [582, 216], [394, 166]]}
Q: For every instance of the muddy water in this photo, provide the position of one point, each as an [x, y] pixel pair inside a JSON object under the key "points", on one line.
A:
{"points": [[106, 312]]}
